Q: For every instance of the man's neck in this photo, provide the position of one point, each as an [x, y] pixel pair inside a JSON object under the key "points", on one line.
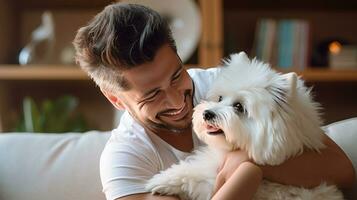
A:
{"points": [[182, 141]]}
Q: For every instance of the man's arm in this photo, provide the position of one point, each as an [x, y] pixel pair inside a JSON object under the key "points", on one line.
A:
{"points": [[311, 168], [147, 196], [243, 183]]}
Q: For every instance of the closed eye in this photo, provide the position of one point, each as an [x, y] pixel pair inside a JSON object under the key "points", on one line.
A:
{"points": [[177, 74], [177, 77], [153, 95]]}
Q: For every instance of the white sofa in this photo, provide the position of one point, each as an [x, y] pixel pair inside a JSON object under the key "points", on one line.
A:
{"points": [[51, 166], [66, 166]]}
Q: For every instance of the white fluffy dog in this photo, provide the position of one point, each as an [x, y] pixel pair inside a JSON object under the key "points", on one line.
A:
{"points": [[251, 107]]}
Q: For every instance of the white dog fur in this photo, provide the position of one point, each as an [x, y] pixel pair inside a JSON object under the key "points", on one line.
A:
{"points": [[269, 115]]}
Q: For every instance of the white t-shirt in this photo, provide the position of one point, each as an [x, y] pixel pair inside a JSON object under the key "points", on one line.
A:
{"points": [[131, 156]]}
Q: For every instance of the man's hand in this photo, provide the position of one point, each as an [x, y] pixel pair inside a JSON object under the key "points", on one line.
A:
{"points": [[231, 162], [243, 183]]}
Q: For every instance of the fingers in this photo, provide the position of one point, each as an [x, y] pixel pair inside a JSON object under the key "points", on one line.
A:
{"points": [[221, 165], [243, 183], [220, 180]]}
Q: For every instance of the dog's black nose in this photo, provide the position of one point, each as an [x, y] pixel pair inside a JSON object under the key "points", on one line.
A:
{"points": [[208, 115]]}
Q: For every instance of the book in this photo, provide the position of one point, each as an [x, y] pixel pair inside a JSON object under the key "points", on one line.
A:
{"points": [[283, 43]]}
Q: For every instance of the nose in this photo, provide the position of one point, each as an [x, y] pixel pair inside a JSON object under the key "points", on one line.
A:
{"points": [[208, 115], [174, 99]]}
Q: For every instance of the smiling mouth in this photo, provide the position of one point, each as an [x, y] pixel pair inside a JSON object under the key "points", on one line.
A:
{"points": [[176, 112], [177, 115], [216, 132], [213, 130]]}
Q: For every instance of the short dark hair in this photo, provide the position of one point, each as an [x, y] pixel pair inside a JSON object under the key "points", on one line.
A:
{"points": [[120, 37]]}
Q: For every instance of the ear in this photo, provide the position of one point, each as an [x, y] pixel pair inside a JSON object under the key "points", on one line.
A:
{"points": [[291, 80], [114, 100], [238, 58]]}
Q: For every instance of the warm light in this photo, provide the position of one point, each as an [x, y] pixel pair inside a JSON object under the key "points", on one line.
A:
{"points": [[335, 47]]}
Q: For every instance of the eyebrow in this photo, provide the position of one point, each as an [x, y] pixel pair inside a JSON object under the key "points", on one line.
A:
{"points": [[178, 70]]}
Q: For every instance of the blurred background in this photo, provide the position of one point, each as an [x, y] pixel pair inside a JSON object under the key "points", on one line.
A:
{"points": [[42, 89]]}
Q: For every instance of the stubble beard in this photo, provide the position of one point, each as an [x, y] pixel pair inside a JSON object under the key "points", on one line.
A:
{"points": [[163, 126], [169, 128]]}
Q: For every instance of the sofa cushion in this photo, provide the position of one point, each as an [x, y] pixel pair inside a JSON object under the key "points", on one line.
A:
{"points": [[51, 166]]}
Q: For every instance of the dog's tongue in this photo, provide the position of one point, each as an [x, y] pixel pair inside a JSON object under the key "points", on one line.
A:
{"points": [[211, 128]]}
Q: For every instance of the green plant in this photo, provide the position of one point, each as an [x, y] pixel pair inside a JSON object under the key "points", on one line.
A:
{"points": [[56, 116]]}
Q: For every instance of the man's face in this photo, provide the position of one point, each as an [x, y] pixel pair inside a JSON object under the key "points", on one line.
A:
{"points": [[160, 97]]}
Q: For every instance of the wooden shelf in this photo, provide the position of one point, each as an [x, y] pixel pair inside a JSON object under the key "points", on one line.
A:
{"points": [[45, 72], [328, 75], [38, 72], [58, 72]]}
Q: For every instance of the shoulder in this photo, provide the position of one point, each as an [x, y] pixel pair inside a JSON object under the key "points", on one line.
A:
{"points": [[127, 161], [130, 151], [129, 143]]}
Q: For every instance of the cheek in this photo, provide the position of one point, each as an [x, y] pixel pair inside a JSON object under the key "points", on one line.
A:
{"points": [[150, 110]]}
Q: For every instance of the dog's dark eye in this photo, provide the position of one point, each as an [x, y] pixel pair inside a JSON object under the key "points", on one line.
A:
{"points": [[220, 98], [238, 107]]}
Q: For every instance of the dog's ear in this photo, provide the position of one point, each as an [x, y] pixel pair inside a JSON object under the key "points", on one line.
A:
{"points": [[291, 80], [239, 58], [284, 87]]}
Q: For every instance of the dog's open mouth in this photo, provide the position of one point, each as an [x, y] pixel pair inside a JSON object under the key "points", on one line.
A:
{"points": [[212, 130]]}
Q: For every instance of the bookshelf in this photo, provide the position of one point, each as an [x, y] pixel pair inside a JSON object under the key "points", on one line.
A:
{"points": [[228, 26], [334, 89]]}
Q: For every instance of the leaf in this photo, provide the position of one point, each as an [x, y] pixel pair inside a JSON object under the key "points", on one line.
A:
{"points": [[54, 116], [31, 116]]}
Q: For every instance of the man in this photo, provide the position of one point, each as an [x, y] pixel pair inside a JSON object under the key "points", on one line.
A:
{"points": [[128, 50]]}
